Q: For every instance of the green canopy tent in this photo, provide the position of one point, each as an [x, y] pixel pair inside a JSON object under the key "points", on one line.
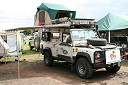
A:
{"points": [[112, 22]]}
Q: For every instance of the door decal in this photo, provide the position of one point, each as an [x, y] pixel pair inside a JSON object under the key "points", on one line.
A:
{"points": [[65, 51]]}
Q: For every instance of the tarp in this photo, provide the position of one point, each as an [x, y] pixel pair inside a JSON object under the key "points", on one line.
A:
{"points": [[113, 22], [52, 9], [12, 42], [3, 47]]}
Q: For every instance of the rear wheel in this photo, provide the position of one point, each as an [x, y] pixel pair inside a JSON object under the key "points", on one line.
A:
{"points": [[31, 47], [48, 60], [83, 68], [113, 69]]}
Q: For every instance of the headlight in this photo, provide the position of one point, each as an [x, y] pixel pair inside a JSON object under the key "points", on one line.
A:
{"points": [[97, 55], [122, 52]]}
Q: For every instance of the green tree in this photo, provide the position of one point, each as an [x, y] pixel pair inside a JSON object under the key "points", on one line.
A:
{"points": [[27, 32]]}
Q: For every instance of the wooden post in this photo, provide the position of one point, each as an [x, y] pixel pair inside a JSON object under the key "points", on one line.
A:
{"points": [[18, 68]]}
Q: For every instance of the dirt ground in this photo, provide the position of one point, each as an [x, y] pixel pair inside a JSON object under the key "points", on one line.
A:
{"points": [[34, 72]]}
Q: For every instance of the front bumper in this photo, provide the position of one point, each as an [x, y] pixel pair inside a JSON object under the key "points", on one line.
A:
{"points": [[99, 65], [103, 65], [107, 58]]}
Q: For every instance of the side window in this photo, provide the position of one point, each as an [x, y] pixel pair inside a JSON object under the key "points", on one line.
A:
{"points": [[56, 35], [42, 16], [66, 38], [46, 36]]}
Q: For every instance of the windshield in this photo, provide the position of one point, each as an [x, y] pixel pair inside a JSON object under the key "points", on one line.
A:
{"points": [[83, 34]]}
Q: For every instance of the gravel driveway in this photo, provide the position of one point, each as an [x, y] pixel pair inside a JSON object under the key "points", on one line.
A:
{"points": [[36, 73]]}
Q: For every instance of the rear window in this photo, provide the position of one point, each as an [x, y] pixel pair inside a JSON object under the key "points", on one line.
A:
{"points": [[46, 36], [55, 35]]}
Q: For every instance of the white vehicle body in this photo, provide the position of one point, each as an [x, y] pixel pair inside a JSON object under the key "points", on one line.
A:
{"points": [[71, 50], [71, 43]]}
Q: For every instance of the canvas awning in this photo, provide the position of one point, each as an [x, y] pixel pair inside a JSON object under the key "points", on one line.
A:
{"points": [[113, 22], [52, 9]]}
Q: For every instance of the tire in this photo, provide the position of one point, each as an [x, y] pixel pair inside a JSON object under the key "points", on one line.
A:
{"points": [[37, 43], [83, 68], [31, 47], [113, 69], [97, 42], [48, 60]]}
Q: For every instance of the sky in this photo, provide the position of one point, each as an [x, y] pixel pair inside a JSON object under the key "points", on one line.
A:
{"points": [[20, 13]]}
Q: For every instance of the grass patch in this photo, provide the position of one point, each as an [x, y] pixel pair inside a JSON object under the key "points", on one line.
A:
{"points": [[27, 45], [29, 52], [9, 58], [24, 62]]}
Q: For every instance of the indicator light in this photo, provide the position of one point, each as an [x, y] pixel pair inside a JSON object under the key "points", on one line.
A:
{"points": [[76, 50]]}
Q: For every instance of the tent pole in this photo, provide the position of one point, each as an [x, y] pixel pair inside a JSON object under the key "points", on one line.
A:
{"points": [[18, 69], [127, 38], [109, 34]]}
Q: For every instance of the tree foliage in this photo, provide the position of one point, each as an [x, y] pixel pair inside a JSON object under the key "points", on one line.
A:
{"points": [[27, 32]]}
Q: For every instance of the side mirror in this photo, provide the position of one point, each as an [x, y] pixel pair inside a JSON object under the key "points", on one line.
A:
{"points": [[97, 27]]}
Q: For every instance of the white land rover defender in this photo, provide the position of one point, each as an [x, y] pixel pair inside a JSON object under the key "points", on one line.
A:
{"points": [[78, 43]]}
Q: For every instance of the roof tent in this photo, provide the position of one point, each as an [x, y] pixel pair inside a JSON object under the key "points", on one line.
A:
{"points": [[113, 22], [54, 9], [47, 12]]}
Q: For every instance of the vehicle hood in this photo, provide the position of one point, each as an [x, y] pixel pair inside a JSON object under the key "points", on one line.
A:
{"points": [[108, 46]]}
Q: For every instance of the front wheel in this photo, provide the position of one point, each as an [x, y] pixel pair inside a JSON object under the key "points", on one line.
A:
{"points": [[48, 60], [113, 69], [84, 68]]}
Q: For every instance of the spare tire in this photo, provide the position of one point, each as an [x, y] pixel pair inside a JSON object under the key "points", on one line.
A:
{"points": [[37, 43], [97, 42]]}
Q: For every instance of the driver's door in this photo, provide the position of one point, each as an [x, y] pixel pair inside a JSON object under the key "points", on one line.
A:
{"points": [[65, 48]]}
